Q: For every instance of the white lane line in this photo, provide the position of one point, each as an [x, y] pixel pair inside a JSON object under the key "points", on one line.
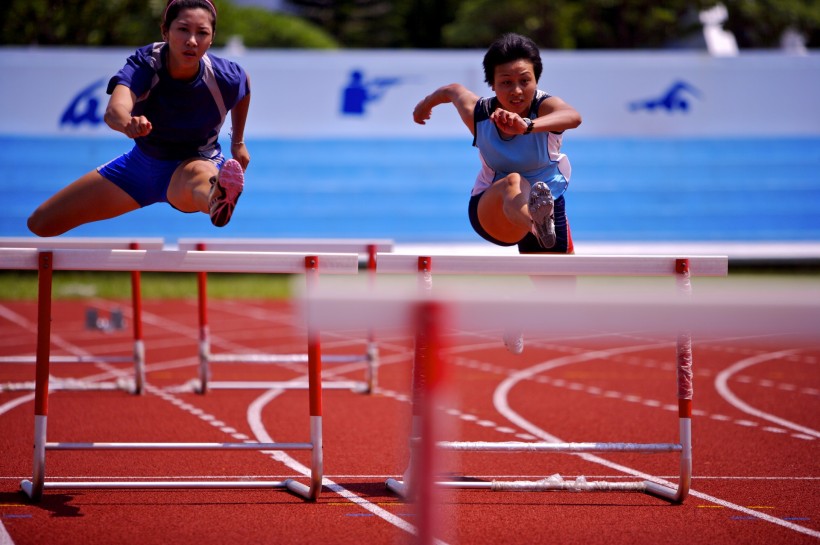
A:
{"points": [[631, 360], [261, 434], [9, 405], [24, 323], [5, 538], [500, 401], [721, 384]]}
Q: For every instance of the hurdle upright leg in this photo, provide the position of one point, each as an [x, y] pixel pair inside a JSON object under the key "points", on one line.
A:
{"points": [[685, 394], [423, 491], [34, 487], [424, 281], [204, 331], [314, 394], [372, 347], [139, 343]]}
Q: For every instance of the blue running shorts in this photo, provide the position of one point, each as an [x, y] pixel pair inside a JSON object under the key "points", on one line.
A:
{"points": [[144, 178]]}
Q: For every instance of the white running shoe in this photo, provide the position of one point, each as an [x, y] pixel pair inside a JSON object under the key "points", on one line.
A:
{"points": [[514, 341], [226, 188], [541, 210]]}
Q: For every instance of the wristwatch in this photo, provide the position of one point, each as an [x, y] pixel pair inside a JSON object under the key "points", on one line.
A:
{"points": [[530, 125]]}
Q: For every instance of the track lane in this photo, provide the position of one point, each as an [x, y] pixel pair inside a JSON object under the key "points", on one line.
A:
{"points": [[483, 361]]}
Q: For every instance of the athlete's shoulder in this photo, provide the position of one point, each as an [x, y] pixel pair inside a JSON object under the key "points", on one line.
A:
{"points": [[484, 107], [148, 55], [540, 96], [139, 70], [225, 67]]}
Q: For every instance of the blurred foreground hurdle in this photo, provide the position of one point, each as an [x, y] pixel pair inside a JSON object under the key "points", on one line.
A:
{"points": [[138, 357], [366, 249], [45, 262], [747, 312]]}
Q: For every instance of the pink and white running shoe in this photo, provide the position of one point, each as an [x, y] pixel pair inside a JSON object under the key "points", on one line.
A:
{"points": [[226, 188], [514, 341]]}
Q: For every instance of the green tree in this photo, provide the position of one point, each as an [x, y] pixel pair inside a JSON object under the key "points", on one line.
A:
{"points": [[134, 22], [423, 21], [558, 24], [381, 23], [761, 23], [78, 22], [568, 24], [259, 27], [355, 23]]}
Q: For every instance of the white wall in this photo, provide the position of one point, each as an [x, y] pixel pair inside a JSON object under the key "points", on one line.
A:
{"points": [[298, 94]]}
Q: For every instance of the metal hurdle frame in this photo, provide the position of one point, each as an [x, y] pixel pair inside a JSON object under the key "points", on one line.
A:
{"points": [[533, 265], [45, 262], [365, 248], [78, 243]]}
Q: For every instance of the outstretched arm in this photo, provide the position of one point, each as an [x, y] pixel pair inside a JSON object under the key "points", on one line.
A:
{"points": [[462, 98], [239, 115], [118, 114], [554, 115]]}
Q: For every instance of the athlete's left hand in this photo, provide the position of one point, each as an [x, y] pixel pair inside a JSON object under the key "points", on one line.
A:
{"points": [[240, 152], [508, 123]]}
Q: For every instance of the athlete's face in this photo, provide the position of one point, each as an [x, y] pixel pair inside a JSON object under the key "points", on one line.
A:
{"points": [[189, 37], [515, 85]]}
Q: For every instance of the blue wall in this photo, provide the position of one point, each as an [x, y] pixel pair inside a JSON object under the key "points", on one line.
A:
{"points": [[624, 189]]}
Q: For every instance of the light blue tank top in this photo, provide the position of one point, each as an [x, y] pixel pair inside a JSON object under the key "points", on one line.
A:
{"points": [[536, 156]]}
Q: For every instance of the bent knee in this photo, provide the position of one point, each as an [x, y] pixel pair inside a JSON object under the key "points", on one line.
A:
{"points": [[513, 183], [39, 225], [513, 179]]}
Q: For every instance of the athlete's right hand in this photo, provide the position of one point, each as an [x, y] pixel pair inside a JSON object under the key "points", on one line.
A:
{"points": [[422, 112], [138, 126]]}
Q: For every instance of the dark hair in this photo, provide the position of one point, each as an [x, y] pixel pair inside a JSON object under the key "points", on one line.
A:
{"points": [[511, 47], [173, 8]]}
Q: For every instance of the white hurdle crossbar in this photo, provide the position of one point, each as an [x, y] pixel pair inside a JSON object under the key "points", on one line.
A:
{"points": [[171, 261], [365, 248], [138, 357], [563, 265]]}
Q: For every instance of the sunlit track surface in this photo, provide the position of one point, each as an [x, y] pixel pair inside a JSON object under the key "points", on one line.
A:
{"points": [[755, 480]]}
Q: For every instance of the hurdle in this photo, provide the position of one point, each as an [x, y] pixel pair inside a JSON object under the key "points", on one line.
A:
{"points": [[45, 262], [749, 312], [569, 265], [138, 357], [365, 248]]}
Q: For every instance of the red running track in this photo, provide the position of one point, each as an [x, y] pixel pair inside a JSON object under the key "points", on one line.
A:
{"points": [[755, 428]]}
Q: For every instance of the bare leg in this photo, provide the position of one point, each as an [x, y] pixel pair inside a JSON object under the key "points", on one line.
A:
{"points": [[90, 198], [190, 185], [503, 211]]}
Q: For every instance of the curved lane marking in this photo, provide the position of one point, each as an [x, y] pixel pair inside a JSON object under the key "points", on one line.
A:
{"points": [[500, 402], [721, 384]]}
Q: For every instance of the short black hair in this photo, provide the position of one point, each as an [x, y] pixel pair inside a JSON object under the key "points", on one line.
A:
{"points": [[175, 6], [511, 47]]}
